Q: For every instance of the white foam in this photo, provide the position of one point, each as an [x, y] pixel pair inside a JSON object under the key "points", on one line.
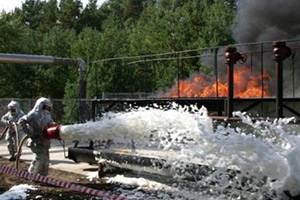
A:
{"points": [[261, 148]]}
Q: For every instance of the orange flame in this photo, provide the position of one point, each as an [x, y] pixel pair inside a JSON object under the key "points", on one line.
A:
{"points": [[245, 85]]}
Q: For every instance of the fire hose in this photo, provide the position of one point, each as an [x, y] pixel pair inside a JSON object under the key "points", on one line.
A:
{"points": [[3, 132], [51, 132], [19, 150], [16, 130]]}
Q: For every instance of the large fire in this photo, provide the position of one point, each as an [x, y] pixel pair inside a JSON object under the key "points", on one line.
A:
{"points": [[246, 85]]}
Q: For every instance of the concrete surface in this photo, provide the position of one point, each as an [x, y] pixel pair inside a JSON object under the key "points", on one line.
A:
{"points": [[57, 158]]}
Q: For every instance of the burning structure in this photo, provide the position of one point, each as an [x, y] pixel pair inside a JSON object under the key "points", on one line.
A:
{"points": [[252, 77], [252, 81]]}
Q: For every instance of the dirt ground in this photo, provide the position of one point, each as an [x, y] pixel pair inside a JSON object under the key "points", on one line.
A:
{"points": [[52, 192]]}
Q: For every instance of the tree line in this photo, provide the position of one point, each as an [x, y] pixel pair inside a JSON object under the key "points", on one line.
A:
{"points": [[118, 28]]}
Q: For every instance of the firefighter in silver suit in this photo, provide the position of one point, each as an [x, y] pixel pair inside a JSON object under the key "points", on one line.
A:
{"points": [[13, 133], [34, 125]]}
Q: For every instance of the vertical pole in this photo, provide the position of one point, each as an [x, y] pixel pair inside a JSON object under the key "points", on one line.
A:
{"points": [[262, 68], [262, 75], [230, 90], [216, 70], [280, 53], [178, 76], [82, 89], [293, 75], [94, 110], [231, 57], [230, 61], [279, 89]]}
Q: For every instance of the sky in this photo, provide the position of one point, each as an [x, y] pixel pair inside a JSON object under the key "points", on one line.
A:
{"points": [[10, 5]]}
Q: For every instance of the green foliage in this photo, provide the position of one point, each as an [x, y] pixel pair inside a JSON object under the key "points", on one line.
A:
{"points": [[71, 107], [49, 16], [91, 16], [88, 47], [119, 28], [69, 13], [58, 42], [32, 13], [17, 82], [15, 36], [219, 18]]}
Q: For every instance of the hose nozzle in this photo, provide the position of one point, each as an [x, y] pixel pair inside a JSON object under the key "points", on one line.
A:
{"points": [[53, 131]]}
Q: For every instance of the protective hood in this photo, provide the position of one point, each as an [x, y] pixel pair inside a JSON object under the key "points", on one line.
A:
{"points": [[40, 103], [37, 119], [14, 105]]}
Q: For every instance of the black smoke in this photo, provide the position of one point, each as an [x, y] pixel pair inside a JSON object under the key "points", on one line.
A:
{"points": [[267, 20], [264, 21]]}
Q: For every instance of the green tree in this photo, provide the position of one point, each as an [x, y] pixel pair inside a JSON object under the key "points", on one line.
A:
{"points": [[218, 23], [119, 28], [69, 14], [71, 107], [32, 13], [91, 16], [49, 17], [88, 47], [15, 36], [51, 80], [17, 80]]}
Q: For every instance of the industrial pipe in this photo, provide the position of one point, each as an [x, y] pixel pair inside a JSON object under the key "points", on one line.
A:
{"points": [[280, 53], [41, 59], [231, 57]]}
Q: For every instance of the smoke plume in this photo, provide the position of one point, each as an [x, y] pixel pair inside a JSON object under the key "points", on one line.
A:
{"points": [[265, 20]]}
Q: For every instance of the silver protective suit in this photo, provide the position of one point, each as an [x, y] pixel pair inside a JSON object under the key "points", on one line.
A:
{"points": [[34, 124], [14, 134]]}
